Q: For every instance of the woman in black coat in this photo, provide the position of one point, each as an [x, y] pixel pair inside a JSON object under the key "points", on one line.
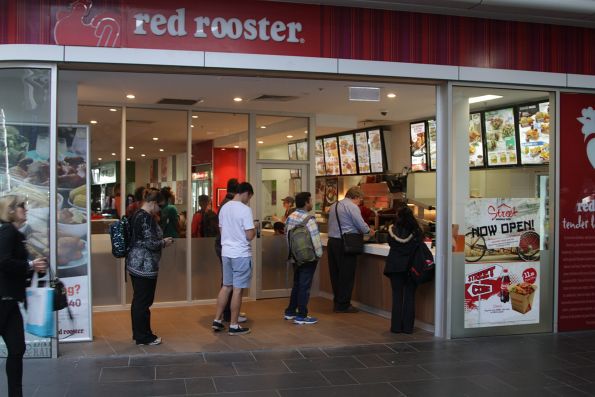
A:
{"points": [[404, 236], [15, 268]]}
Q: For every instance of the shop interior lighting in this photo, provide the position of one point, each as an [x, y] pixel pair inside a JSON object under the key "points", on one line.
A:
{"points": [[155, 139], [127, 158], [222, 148], [484, 98], [289, 136], [192, 125], [113, 110], [263, 126], [194, 116], [391, 95], [131, 147], [99, 158], [113, 154], [236, 146], [130, 96], [305, 132], [93, 121], [237, 99], [161, 150], [142, 155], [260, 142]]}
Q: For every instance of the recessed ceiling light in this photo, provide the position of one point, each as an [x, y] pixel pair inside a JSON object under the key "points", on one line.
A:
{"points": [[194, 116], [289, 136], [130, 147], [93, 121], [113, 110], [161, 150], [99, 158], [192, 125], [236, 146], [261, 142], [484, 98], [130, 96], [222, 148], [237, 99], [142, 155], [305, 132], [155, 139], [127, 158], [391, 95], [263, 126], [113, 154]]}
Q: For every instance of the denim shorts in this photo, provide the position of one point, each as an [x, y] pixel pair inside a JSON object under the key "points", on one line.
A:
{"points": [[237, 272]]}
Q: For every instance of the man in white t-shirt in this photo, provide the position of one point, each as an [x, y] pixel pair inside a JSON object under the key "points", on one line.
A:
{"points": [[237, 231]]}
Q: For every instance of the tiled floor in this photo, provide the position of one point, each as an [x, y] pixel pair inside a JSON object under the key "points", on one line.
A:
{"points": [[188, 329]]}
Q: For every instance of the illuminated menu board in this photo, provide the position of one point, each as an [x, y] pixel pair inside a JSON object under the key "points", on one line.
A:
{"points": [[376, 153], [331, 156], [534, 133], [320, 168], [476, 158], [432, 142], [419, 160], [363, 152], [347, 151], [501, 141]]}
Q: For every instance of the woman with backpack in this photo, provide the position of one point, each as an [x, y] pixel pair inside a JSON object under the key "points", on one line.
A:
{"points": [[142, 263], [404, 237]]}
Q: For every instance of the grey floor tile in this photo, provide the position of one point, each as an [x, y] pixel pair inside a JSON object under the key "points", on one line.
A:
{"points": [[401, 347], [356, 350], [565, 376], [266, 355], [424, 357], [50, 390], [269, 382], [492, 384], [167, 359], [117, 374], [128, 389], [195, 371], [377, 390], [440, 388], [468, 368], [545, 362], [568, 391], [525, 380], [339, 377], [260, 393], [372, 361], [228, 357], [587, 388], [312, 352], [200, 385], [389, 374], [587, 373], [261, 367], [317, 364]]}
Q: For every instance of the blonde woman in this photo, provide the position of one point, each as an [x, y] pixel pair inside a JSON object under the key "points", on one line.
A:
{"points": [[15, 269]]}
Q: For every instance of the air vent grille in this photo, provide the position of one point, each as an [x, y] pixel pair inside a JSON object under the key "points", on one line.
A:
{"points": [[176, 101], [275, 98], [366, 94]]}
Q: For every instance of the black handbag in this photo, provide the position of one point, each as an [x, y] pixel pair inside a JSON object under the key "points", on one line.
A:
{"points": [[353, 243], [60, 293]]}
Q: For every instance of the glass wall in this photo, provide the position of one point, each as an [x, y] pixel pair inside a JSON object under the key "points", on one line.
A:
{"points": [[281, 138], [502, 274], [25, 100], [219, 152]]}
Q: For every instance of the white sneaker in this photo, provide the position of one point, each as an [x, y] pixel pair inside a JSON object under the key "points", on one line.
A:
{"points": [[242, 319]]}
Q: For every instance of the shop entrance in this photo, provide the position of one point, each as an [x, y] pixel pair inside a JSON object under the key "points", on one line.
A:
{"points": [[276, 186]]}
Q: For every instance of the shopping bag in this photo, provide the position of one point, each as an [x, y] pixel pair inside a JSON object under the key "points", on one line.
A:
{"points": [[40, 310]]}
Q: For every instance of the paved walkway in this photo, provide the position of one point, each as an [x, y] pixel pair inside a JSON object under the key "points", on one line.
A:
{"points": [[536, 365]]}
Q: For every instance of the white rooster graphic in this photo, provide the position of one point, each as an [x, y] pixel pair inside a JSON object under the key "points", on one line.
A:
{"points": [[588, 121]]}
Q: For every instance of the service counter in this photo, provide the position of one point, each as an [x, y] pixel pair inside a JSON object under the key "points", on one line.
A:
{"points": [[372, 290]]}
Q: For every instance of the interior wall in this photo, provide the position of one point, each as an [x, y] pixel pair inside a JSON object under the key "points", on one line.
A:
{"points": [[397, 142], [227, 163]]}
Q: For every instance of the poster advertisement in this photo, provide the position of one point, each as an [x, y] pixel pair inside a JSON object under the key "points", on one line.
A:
{"points": [[418, 147], [432, 142], [576, 292], [475, 141], [502, 229], [330, 192], [302, 150], [347, 150], [292, 151], [319, 195], [501, 137], [363, 152], [331, 156], [319, 157], [163, 161], [501, 294], [376, 153], [534, 132], [73, 232]]}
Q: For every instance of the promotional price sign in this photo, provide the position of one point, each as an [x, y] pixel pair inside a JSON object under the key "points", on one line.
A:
{"points": [[501, 294], [576, 303]]}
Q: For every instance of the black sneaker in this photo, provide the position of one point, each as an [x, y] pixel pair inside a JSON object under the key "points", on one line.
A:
{"points": [[239, 331], [218, 326]]}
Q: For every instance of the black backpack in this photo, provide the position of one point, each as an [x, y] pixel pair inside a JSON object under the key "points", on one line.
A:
{"points": [[422, 266], [121, 235]]}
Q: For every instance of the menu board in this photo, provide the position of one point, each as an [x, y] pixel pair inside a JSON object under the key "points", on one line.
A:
{"points": [[331, 155], [302, 150], [500, 137], [376, 158], [432, 142], [330, 192], [363, 153], [418, 147], [534, 133], [320, 168], [475, 141], [347, 148], [292, 149]]}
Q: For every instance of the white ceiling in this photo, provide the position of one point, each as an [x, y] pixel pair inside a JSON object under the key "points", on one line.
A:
{"points": [[219, 118]]}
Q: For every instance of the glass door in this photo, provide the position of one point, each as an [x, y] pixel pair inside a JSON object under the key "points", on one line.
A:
{"points": [[275, 184]]}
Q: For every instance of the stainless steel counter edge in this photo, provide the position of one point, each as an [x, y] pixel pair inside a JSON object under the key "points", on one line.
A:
{"points": [[372, 249]]}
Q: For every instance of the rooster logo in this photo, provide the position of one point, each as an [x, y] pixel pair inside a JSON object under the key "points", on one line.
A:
{"points": [[588, 121], [71, 28]]}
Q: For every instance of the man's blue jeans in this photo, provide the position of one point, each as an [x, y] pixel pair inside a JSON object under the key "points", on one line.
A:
{"points": [[300, 293]]}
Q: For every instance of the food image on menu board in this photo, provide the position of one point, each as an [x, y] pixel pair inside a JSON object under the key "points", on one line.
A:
{"points": [[292, 148], [475, 141], [347, 150], [534, 132], [363, 153], [432, 141], [418, 147], [320, 168], [331, 191], [331, 155], [302, 150], [375, 139], [501, 137]]}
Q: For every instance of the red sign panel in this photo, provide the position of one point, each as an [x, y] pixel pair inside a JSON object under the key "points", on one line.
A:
{"points": [[230, 26], [576, 305]]}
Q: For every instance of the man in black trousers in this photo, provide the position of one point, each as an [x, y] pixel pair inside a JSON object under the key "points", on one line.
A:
{"points": [[342, 265]]}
